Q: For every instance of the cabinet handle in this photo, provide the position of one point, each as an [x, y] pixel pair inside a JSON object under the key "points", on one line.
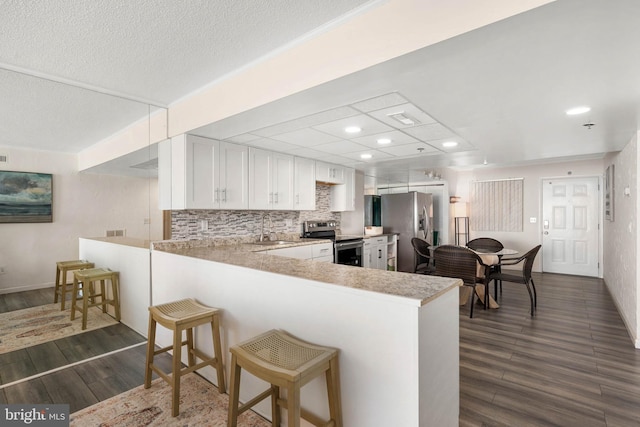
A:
{"points": [[270, 197], [276, 198], [224, 194], [297, 199], [217, 197], [379, 253]]}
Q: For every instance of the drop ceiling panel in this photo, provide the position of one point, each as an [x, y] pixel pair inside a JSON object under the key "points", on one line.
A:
{"points": [[396, 137], [242, 139], [307, 121], [377, 156], [368, 125], [430, 132], [332, 158], [380, 102], [273, 145], [309, 153], [340, 147], [306, 137], [419, 117], [410, 150]]}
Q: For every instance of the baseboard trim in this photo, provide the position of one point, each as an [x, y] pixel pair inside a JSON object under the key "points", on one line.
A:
{"points": [[26, 288]]}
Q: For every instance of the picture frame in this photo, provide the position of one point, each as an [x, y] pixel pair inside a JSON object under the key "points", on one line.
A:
{"points": [[26, 197], [609, 193]]}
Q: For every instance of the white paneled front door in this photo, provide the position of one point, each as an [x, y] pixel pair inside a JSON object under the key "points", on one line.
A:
{"points": [[570, 220]]}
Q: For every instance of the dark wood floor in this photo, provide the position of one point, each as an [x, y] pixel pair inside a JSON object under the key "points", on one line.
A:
{"points": [[573, 364], [83, 383]]}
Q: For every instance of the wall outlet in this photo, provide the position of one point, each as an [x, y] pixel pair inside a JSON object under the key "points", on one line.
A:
{"points": [[203, 225], [533, 220]]}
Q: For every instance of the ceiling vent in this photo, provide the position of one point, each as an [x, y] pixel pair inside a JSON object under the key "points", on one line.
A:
{"points": [[403, 118]]}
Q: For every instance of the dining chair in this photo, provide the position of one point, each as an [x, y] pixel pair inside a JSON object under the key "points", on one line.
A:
{"points": [[490, 245], [462, 263], [524, 276], [486, 243], [423, 264]]}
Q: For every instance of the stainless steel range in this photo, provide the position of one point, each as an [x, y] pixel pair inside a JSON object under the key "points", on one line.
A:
{"points": [[346, 249]]}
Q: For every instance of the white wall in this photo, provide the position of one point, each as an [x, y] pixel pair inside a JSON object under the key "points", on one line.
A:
{"points": [[84, 205], [530, 236], [621, 239]]}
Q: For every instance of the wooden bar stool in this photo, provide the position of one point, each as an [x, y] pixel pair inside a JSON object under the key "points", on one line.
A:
{"points": [[62, 267], [183, 315], [88, 278], [287, 362]]}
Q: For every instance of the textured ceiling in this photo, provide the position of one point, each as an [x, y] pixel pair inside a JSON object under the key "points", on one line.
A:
{"points": [[158, 50]]}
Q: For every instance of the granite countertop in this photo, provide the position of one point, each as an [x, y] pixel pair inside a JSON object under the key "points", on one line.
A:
{"points": [[417, 287], [126, 241]]}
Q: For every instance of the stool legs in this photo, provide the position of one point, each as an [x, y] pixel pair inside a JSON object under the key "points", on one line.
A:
{"points": [[217, 349], [333, 391], [150, 351], [187, 325], [234, 393], [175, 377]]}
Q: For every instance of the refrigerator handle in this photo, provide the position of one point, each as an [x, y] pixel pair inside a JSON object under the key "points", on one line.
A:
{"points": [[425, 223]]}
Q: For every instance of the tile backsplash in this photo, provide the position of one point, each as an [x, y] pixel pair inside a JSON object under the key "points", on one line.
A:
{"points": [[211, 224]]}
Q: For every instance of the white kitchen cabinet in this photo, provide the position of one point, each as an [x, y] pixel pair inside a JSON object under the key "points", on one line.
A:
{"points": [[343, 195], [329, 173], [270, 180], [367, 261], [202, 173], [304, 184], [322, 252], [374, 252]]}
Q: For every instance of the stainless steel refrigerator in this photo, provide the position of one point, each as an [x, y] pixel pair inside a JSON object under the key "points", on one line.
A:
{"points": [[409, 215]]}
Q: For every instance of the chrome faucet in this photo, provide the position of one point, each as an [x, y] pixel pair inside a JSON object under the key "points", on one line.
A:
{"points": [[268, 235]]}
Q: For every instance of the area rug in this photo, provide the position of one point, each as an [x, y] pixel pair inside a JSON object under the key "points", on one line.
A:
{"points": [[31, 326], [200, 405]]}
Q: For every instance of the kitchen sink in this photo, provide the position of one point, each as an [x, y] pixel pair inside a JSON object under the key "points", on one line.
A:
{"points": [[273, 242]]}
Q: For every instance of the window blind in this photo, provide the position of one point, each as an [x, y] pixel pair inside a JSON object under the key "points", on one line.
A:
{"points": [[496, 205]]}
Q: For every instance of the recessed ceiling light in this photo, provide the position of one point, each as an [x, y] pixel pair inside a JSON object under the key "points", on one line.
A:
{"points": [[449, 144], [365, 156], [352, 129], [578, 110], [383, 141]]}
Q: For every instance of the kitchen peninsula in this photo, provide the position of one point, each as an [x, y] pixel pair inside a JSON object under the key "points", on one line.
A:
{"points": [[397, 332]]}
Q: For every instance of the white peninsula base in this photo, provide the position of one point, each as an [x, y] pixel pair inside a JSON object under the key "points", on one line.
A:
{"points": [[399, 357]]}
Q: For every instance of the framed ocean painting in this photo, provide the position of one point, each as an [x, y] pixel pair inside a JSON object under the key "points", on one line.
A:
{"points": [[25, 197]]}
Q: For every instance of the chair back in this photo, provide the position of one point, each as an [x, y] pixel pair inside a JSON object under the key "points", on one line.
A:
{"points": [[486, 243], [421, 247], [529, 257], [458, 262]]}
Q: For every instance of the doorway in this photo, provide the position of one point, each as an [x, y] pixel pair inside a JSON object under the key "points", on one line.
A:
{"points": [[570, 226]]}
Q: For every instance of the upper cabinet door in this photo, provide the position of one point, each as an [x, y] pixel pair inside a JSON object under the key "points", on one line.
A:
{"points": [[331, 174], [304, 182], [260, 187], [201, 156], [270, 180], [233, 184], [282, 181]]}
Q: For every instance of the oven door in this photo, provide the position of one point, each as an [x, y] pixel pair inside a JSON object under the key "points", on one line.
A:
{"points": [[348, 252]]}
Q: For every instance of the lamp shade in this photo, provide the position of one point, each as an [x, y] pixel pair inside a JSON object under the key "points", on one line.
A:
{"points": [[461, 210]]}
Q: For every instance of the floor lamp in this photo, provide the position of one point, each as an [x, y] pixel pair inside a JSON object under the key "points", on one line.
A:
{"points": [[461, 223]]}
